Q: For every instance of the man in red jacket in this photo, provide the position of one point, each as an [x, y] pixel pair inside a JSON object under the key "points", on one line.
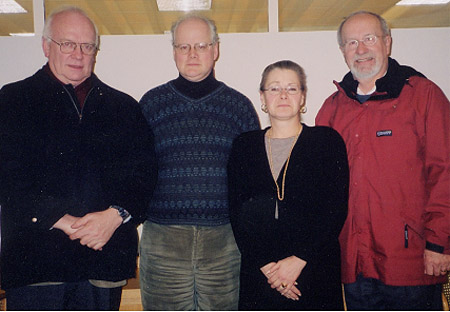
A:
{"points": [[395, 122]]}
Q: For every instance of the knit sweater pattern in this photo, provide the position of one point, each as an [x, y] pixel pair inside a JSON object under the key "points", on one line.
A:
{"points": [[193, 139]]}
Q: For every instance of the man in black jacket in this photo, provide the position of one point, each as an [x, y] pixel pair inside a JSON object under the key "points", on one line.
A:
{"points": [[77, 168]]}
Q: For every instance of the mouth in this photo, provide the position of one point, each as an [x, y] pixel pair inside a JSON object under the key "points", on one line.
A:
{"points": [[365, 59], [76, 66]]}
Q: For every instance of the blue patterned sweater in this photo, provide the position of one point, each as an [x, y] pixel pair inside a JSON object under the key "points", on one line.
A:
{"points": [[193, 138]]}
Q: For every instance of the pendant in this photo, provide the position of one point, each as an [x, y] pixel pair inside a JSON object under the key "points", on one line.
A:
{"points": [[276, 210]]}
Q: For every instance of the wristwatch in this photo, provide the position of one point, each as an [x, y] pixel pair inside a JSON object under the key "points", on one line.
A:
{"points": [[124, 214]]}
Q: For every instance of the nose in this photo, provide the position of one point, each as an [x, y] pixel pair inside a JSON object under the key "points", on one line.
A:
{"points": [[361, 48], [192, 52], [77, 53], [283, 93]]}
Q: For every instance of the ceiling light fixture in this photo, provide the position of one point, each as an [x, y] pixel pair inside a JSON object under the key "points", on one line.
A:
{"points": [[22, 34], [10, 6], [183, 5], [422, 2]]}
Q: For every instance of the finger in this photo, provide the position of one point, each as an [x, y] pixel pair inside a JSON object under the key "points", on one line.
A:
{"points": [[97, 246], [291, 295], [296, 291], [80, 223], [79, 234], [429, 269]]}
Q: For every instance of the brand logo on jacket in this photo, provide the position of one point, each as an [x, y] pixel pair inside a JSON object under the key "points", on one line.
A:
{"points": [[382, 133]]}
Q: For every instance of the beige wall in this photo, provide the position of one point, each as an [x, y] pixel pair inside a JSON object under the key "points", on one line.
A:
{"points": [[135, 64]]}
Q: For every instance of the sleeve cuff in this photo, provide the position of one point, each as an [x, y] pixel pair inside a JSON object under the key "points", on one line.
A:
{"points": [[434, 247]]}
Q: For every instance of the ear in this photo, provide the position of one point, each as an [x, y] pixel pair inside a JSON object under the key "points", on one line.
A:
{"points": [[302, 100], [45, 47], [388, 44], [216, 51], [262, 98]]}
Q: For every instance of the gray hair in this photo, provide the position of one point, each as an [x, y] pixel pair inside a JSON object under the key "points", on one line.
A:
{"points": [[384, 26], [192, 16], [48, 27]]}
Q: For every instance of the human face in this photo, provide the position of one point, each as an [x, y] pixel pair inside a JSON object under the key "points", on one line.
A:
{"points": [[194, 66], [367, 63], [76, 67], [283, 106]]}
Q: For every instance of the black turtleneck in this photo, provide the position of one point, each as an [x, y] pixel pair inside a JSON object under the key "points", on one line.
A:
{"points": [[196, 90]]}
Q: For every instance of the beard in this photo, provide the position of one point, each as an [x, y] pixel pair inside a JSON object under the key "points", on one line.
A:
{"points": [[365, 73]]}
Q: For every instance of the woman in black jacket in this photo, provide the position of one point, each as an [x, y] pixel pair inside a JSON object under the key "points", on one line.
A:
{"points": [[288, 191]]}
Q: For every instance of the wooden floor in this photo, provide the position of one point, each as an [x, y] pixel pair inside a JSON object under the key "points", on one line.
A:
{"points": [[131, 296], [2, 300]]}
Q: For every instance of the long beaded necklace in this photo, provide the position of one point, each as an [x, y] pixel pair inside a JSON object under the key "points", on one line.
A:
{"points": [[283, 181]]}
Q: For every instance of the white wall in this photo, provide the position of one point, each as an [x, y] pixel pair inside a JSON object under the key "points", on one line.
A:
{"points": [[134, 64]]}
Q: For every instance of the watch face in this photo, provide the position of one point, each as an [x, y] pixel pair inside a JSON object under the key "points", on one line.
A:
{"points": [[122, 212]]}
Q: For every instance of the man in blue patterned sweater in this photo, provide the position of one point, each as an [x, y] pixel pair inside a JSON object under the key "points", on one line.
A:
{"points": [[189, 258]]}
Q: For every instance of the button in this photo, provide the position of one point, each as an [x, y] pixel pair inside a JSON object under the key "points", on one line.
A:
{"points": [[34, 220]]}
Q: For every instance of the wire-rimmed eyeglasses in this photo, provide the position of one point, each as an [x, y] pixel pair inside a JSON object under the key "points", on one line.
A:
{"points": [[68, 47], [185, 48], [275, 90], [368, 41]]}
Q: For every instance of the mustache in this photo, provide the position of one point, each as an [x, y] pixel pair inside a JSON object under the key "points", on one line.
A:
{"points": [[364, 56]]}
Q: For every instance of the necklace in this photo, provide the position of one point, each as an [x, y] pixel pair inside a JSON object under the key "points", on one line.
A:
{"points": [[280, 194]]}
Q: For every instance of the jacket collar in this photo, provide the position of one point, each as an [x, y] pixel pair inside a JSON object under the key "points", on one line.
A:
{"points": [[93, 80], [388, 87]]}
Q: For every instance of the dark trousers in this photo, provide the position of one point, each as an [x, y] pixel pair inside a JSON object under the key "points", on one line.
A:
{"points": [[371, 294], [67, 296]]}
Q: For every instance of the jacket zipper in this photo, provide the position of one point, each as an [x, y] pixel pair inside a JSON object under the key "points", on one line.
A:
{"points": [[79, 113], [406, 236]]}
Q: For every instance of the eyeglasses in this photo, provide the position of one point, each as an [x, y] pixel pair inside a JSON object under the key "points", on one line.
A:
{"points": [[275, 90], [368, 41], [185, 48], [68, 47]]}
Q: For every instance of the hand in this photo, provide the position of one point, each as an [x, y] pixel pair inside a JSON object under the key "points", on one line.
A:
{"points": [[283, 274], [65, 224], [293, 293], [95, 229], [436, 263]]}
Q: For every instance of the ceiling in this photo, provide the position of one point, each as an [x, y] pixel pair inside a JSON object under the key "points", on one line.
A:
{"points": [[125, 17]]}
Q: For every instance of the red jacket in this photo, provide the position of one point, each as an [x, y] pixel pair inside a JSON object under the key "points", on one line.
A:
{"points": [[398, 145]]}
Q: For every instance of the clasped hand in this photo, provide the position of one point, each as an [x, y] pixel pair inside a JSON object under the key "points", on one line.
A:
{"points": [[93, 230], [282, 276]]}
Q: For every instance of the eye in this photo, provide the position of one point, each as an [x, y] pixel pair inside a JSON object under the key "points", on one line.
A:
{"points": [[183, 47], [352, 43], [274, 89], [202, 46], [292, 89], [69, 45], [369, 40], [88, 47]]}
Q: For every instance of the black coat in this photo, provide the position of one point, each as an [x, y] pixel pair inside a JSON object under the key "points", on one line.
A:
{"points": [[52, 163], [310, 217]]}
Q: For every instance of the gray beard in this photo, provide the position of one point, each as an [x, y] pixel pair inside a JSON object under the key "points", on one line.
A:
{"points": [[365, 75]]}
